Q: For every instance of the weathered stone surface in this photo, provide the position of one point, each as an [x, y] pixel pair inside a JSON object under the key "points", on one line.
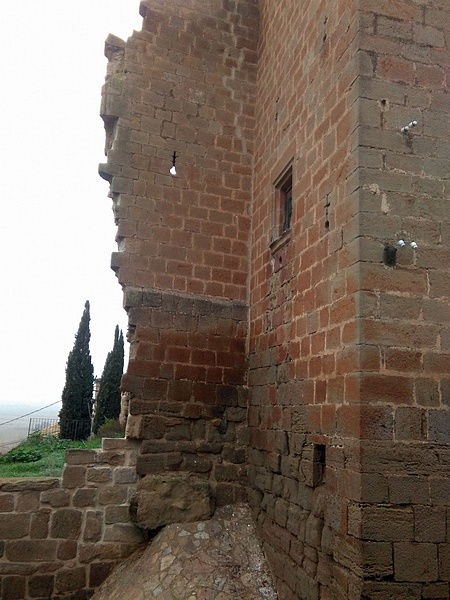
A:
{"points": [[219, 558], [69, 580], [31, 550], [14, 526], [66, 523], [29, 484], [85, 497], [161, 500], [13, 587], [56, 498], [41, 586], [93, 527]]}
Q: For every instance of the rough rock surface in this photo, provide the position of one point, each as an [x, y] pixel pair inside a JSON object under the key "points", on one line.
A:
{"points": [[218, 559], [164, 499]]}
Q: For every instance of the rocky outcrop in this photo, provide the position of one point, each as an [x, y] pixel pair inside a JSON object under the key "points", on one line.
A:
{"points": [[218, 559]]}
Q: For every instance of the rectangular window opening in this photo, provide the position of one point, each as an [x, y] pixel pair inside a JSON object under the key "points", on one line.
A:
{"points": [[319, 459], [282, 209]]}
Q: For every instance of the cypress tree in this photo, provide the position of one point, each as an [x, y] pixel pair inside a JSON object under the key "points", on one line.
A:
{"points": [[108, 400], [75, 414]]}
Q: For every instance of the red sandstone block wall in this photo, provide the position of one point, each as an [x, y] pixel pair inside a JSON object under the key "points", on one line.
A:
{"points": [[345, 351], [405, 54], [61, 538], [303, 338], [187, 86]]}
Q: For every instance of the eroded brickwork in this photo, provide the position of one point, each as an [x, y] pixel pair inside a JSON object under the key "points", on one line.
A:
{"points": [[293, 340], [61, 538], [185, 84]]}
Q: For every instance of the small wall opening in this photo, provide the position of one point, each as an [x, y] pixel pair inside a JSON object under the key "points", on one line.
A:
{"points": [[319, 460]]}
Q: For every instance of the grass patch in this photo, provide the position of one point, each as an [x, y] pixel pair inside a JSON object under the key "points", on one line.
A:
{"points": [[40, 457]]}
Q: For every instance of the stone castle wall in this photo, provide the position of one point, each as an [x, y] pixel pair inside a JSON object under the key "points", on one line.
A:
{"points": [[185, 84], [348, 355], [60, 538], [305, 367]]}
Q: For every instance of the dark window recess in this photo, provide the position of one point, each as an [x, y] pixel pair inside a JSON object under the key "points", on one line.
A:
{"points": [[319, 455], [287, 207], [283, 207]]}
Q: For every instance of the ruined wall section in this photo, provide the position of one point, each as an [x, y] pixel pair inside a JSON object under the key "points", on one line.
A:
{"points": [[61, 537], [304, 304], [184, 84]]}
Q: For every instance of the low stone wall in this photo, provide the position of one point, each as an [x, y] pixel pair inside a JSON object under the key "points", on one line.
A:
{"points": [[60, 538]]}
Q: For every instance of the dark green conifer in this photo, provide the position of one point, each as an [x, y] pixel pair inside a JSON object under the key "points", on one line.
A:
{"points": [[107, 405], [75, 414]]}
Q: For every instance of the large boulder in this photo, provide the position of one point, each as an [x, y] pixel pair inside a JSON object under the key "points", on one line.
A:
{"points": [[164, 499]]}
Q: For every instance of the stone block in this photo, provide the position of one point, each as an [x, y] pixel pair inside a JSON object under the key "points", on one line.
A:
{"points": [[6, 502], [67, 550], [56, 498], [98, 572], [377, 559], [436, 591], [125, 475], [111, 457], [117, 514], [123, 533], [93, 527], [430, 524], [440, 490], [28, 501], [29, 484], [94, 551], [66, 523], [41, 586], [73, 476], [439, 426], [81, 457], [390, 590], [409, 489], [444, 561], [39, 525], [13, 526], [112, 494], [415, 562], [387, 524], [13, 587], [85, 497], [161, 500], [197, 464], [70, 580], [119, 444], [99, 474], [23, 551]]}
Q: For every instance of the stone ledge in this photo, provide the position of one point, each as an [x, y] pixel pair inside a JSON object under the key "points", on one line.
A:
{"points": [[29, 484]]}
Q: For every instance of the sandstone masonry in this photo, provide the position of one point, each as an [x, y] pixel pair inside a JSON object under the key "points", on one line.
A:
{"points": [[283, 344], [60, 538]]}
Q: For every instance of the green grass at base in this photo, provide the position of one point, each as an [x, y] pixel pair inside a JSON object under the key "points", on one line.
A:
{"points": [[23, 461]]}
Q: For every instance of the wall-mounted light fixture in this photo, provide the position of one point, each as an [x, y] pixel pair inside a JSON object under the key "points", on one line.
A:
{"points": [[406, 128], [402, 243], [173, 169]]}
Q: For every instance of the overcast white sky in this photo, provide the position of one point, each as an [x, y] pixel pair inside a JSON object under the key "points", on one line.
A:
{"points": [[57, 228]]}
